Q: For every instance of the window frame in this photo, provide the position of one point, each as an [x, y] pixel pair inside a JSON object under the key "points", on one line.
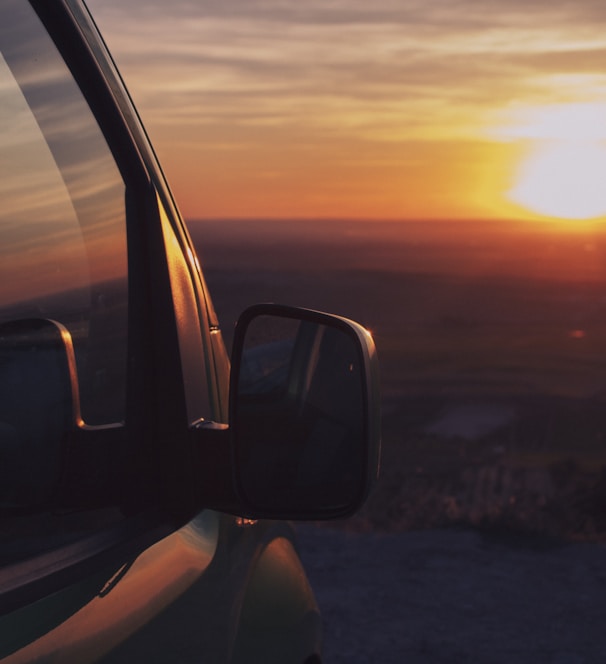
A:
{"points": [[154, 489]]}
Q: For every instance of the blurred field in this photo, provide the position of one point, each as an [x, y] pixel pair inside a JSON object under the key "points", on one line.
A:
{"points": [[492, 341]]}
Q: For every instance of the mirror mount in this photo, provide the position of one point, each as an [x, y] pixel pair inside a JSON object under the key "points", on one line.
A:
{"points": [[214, 468], [303, 441]]}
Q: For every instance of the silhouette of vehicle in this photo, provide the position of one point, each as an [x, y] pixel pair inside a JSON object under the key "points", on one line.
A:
{"points": [[144, 491]]}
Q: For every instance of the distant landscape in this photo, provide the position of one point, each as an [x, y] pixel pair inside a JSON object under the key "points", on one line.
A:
{"points": [[492, 342]]}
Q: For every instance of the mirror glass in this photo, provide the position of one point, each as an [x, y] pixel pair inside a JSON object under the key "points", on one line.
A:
{"points": [[299, 414]]}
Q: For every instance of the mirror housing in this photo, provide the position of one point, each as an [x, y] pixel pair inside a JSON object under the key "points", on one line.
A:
{"points": [[39, 407], [304, 414]]}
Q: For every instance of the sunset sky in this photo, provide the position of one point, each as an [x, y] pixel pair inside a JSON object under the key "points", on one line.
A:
{"points": [[394, 109]]}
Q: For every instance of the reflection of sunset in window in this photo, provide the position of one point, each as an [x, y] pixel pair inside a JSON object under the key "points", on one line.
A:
{"points": [[61, 225]]}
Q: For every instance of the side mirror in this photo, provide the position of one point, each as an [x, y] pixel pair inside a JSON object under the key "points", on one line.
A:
{"points": [[38, 407], [304, 413]]}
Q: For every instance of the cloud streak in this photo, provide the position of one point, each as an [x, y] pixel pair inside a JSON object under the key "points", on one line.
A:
{"points": [[397, 52], [392, 71]]}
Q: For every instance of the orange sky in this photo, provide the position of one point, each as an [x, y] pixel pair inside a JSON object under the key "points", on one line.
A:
{"points": [[350, 109]]}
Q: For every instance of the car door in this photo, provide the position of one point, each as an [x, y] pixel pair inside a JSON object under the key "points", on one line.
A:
{"points": [[110, 356], [91, 377]]}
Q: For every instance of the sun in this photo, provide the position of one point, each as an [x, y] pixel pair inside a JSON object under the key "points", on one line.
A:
{"points": [[564, 174], [563, 179]]}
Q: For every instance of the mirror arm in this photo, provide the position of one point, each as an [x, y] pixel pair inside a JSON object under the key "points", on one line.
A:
{"points": [[212, 467], [210, 425]]}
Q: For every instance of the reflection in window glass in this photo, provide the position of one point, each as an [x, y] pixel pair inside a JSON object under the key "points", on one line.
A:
{"points": [[62, 219]]}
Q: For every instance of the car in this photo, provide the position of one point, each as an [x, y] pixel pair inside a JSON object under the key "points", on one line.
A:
{"points": [[147, 482]]}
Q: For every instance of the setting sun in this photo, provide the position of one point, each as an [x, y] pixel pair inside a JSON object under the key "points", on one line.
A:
{"points": [[563, 179], [563, 176]]}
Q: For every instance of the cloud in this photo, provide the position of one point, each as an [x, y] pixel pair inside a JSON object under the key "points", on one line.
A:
{"points": [[244, 76], [275, 55]]}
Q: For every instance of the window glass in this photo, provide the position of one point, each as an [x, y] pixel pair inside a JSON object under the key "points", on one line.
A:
{"points": [[62, 219]]}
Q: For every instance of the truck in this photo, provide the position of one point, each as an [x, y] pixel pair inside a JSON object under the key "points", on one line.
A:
{"points": [[148, 481]]}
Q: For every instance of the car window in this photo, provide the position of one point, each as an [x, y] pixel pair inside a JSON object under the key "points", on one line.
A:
{"points": [[62, 220], [63, 264]]}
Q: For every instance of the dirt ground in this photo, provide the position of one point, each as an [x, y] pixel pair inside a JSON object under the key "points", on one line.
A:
{"points": [[464, 554], [460, 555], [456, 596]]}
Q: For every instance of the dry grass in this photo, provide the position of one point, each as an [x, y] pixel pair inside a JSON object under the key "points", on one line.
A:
{"points": [[496, 483]]}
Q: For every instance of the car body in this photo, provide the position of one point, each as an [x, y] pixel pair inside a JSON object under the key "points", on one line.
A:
{"points": [[144, 492]]}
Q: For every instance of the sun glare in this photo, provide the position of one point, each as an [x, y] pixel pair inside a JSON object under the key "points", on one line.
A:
{"points": [[564, 176], [564, 179]]}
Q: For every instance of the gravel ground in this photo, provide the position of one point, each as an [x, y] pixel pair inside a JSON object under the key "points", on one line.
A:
{"points": [[456, 596]]}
